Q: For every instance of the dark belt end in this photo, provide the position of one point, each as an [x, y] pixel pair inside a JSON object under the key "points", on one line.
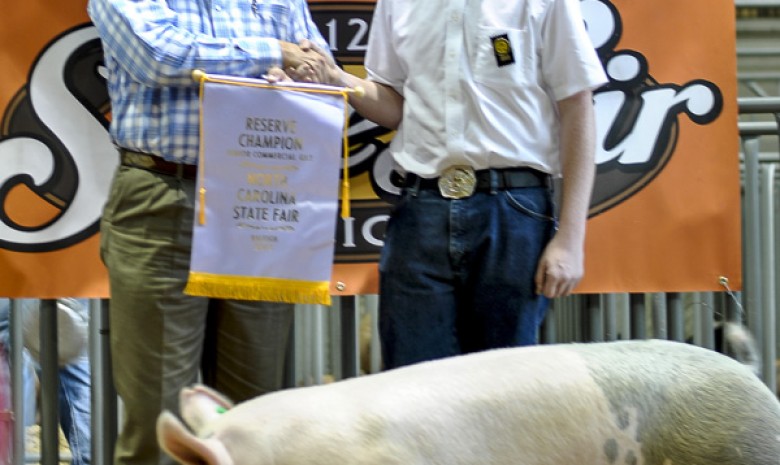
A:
{"points": [[155, 164]]}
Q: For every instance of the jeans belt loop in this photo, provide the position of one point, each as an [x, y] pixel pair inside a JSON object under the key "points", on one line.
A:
{"points": [[414, 187], [494, 181]]}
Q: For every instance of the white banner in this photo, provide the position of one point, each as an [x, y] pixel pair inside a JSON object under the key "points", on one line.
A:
{"points": [[268, 191]]}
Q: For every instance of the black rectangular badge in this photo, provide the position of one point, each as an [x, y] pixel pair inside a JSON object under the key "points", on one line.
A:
{"points": [[502, 48]]}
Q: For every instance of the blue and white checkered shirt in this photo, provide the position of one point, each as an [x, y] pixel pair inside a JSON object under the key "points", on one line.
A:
{"points": [[152, 46]]}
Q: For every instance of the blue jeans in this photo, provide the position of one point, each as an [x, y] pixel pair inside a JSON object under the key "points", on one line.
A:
{"points": [[457, 276], [75, 409], [74, 394], [75, 402]]}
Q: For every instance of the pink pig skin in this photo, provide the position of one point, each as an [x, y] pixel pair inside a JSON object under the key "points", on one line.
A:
{"points": [[629, 402]]}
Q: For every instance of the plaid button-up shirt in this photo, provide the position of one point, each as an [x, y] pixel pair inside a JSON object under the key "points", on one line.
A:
{"points": [[152, 46]]}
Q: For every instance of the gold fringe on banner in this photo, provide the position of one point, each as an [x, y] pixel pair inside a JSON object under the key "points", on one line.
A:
{"points": [[254, 288], [265, 288]]}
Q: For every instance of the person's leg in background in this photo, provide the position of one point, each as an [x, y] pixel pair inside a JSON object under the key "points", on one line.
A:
{"points": [[75, 409]]}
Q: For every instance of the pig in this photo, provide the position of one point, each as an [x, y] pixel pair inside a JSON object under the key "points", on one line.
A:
{"points": [[739, 344], [646, 402]]}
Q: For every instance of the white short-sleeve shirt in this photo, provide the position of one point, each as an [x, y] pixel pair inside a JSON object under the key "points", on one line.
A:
{"points": [[480, 79]]}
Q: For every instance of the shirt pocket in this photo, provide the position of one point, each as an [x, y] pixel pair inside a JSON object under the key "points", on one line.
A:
{"points": [[273, 19], [504, 57]]}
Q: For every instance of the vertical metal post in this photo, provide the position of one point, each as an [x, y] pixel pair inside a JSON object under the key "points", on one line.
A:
{"points": [[298, 351], [349, 351], [660, 330], [318, 367], [372, 301], [289, 357], [578, 318], [776, 261], [17, 382], [752, 239], [334, 338], [595, 317], [675, 316], [304, 321], [706, 320], [769, 281], [610, 320], [638, 316], [624, 316], [50, 382], [104, 397], [550, 327], [557, 333]]}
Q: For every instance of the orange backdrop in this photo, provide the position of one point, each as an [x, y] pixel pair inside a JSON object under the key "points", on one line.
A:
{"points": [[675, 227], [681, 232], [26, 28]]}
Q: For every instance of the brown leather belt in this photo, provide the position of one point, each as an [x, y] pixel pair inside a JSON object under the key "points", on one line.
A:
{"points": [[156, 164], [451, 186]]}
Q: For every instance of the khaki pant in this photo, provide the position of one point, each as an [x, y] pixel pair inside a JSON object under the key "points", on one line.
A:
{"points": [[161, 338]]}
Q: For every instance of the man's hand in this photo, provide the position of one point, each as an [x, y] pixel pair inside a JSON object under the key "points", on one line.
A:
{"points": [[559, 270], [377, 102], [562, 264], [276, 74], [314, 65]]}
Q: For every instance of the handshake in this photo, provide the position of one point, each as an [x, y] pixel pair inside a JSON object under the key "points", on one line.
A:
{"points": [[307, 62]]}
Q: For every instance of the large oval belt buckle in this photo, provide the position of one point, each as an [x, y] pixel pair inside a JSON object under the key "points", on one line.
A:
{"points": [[457, 182]]}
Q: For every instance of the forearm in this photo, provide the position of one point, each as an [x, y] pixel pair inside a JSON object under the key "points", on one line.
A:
{"points": [[562, 264], [577, 146], [378, 103]]}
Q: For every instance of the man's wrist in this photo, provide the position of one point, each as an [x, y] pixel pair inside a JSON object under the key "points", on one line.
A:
{"points": [[341, 78], [290, 54]]}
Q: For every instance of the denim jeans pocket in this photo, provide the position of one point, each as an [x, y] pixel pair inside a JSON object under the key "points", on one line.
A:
{"points": [[401, 201], [534, 202]]}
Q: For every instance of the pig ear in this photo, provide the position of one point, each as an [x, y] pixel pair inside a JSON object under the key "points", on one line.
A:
{"points": [[216, 397], [200, 407], [178, 442]]}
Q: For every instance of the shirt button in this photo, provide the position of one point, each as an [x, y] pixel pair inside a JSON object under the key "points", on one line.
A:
{"points": [[454, 17]]}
